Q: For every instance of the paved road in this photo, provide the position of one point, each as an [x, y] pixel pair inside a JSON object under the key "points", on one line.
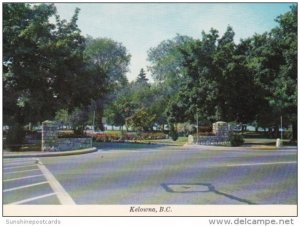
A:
{"points": [[28, 181], [25, 183], [166, 175]]}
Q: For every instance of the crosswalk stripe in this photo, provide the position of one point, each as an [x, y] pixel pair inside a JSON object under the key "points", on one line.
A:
{"points": [[62, 195], [31, 199], [25, 186], [21, 178], [21, 171], [19, 163], [16, 167]]}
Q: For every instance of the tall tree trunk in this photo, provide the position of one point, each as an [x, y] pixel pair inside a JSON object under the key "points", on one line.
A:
{"points": [[163, 127], [244, 128], [270, 132], [295, 132], [276, 132]]}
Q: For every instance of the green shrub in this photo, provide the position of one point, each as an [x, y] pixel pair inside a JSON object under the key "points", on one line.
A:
{"points": [[236, 139], [287, 134]]}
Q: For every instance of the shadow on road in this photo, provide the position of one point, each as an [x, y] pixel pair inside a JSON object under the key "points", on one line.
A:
{"points": [[200, 187]]}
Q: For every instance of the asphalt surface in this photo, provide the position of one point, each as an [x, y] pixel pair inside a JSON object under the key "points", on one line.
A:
{"points": [[24, 183], [154, 174]]}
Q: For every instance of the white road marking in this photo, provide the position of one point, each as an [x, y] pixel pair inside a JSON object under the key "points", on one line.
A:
{"points": [[22, 171], [15, 167], [19, 163], [25, 186], [20, 178], [62, 195], [261, 163], [31, 199], [18, 160]]}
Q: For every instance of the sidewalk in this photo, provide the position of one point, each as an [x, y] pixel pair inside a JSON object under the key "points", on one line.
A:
{"points": [[241, 148], [8, 154]]}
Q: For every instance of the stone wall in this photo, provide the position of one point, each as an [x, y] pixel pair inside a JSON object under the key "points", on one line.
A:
{"points": [[64, 144], [213, 140], [221, 131], [51, 142], [208, 140]]}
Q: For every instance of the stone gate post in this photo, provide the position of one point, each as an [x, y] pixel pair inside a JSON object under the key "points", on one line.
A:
{"points": [[49, 136]]}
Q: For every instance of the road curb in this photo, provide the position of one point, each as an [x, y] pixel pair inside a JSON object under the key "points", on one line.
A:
{"points": [[51, 154], [241, 148]]}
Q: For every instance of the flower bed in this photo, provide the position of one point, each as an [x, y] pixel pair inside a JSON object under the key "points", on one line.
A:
{"points": [[112, 137], [70, 134], [151, 136]]}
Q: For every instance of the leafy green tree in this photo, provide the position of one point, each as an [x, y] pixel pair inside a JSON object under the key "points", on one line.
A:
{"points": [[255, 54], [109, 59], [120, 107], [166, 60], [78, 120], [32, 57], [24, 89], [158, 104], [284, 86], [141, 120], [107, 63], [62, 117], [42, 63], [272, 60], [127, 101], [166, 66], [199, 91], [236, 99], [173, 132], [253, 80], [168, 73]]}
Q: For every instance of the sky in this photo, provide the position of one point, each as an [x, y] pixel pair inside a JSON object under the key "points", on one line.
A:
{"points": [[141, 26]]}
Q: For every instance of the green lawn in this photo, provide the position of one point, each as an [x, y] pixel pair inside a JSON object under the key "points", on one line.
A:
{"points": [[117, 132], [123, 146], [263, 141], [179, 142], [26, 147]]}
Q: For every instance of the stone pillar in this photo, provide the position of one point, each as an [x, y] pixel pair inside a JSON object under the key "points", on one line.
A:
{"points": [[49, 136], [220, 128], [278, 143], [190, 139]]}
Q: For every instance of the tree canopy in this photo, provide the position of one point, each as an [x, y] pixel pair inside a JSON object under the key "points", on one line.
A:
{"points": [[42, 63], [255, 80], [50, 68]]}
